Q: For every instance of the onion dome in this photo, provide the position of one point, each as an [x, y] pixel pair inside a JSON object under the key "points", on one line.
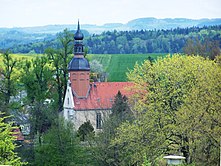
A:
{"points": [[78, 35], [79, 64]]}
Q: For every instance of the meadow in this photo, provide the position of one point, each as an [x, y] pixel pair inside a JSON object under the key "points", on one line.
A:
{"points": [[20, 57], [117, 65]]}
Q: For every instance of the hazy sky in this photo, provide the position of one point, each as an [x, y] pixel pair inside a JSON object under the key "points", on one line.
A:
{"points": [[19, 13]]}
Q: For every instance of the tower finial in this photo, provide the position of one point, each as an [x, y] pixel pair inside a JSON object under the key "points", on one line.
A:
{"points": [[78, 35], [78, 25]]}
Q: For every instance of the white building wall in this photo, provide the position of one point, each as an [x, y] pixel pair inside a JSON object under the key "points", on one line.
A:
{"points": [[84, 116], [78, 117], [68, 112]]}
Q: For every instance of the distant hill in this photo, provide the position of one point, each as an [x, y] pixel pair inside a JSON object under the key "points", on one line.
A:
{"points": [[30, 39], [148, 23]]}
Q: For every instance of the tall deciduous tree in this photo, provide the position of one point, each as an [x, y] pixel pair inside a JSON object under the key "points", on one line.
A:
{"points": [[177, 104], [208, 48], [37, 78], [8, 82], [60, 59]]}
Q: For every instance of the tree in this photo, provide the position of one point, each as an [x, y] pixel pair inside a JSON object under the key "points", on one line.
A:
{"points": [[209, 48], [37, 79], [97, 71], [175, 107], [59, 59], [85, 130], [200, 117], [60, 147], [9, 82], [7, 145], [120, 108], [104, 152], [66, 39]]}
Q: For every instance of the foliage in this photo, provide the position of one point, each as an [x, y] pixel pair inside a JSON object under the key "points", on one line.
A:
{"points": [[104, 152], [59, 58], [120, 108], [96, 67], [7, 145], [8, 69], [85, 130], [9, 75], [97, 71], [146, 162], [208, 48], [36, 78], [149, 41], [129, 42], [177, 111], [60, 147]]}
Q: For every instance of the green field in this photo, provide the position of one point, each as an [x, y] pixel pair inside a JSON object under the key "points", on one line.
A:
{"points": [[116, 65], [21, 57]]}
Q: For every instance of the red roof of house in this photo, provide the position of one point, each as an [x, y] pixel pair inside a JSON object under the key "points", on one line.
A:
{"points": [[18, 134], [102, 95]]}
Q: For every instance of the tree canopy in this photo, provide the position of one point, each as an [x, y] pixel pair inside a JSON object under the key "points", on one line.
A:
{"points": [[130, 42], [8, 156], [177, 107]]}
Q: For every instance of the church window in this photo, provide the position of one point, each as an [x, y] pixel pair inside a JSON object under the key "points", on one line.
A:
{"points": [[98, 121], [68, 114], [68, 100]]}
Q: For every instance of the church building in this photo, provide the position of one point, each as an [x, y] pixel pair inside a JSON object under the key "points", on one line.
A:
{"points": [[84, 100]]}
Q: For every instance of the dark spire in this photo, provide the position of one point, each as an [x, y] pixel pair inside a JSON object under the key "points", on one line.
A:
{"points": [[78, 62], [78, 35], [78, 43], [78, 25]]}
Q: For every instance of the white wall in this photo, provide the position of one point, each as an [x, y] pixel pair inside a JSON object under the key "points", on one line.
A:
{"points": [[82, 116]]}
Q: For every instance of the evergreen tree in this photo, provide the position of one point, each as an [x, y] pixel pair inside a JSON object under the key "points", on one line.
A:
{"points": [[104, 152], [85, 130]]}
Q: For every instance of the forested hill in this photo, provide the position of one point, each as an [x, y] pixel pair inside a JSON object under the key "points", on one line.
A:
{"points": [[151, 41], [139, 41], [148, 23]]}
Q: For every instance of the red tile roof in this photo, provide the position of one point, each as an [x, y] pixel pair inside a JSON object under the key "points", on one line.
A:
{"points": [[102, 95], [18, 134]]}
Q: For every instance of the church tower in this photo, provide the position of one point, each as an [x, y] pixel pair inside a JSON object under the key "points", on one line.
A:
{"points": [[79, 68]]}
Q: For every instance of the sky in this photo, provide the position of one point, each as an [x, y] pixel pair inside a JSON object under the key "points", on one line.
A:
{"points": [[26, 13]]}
